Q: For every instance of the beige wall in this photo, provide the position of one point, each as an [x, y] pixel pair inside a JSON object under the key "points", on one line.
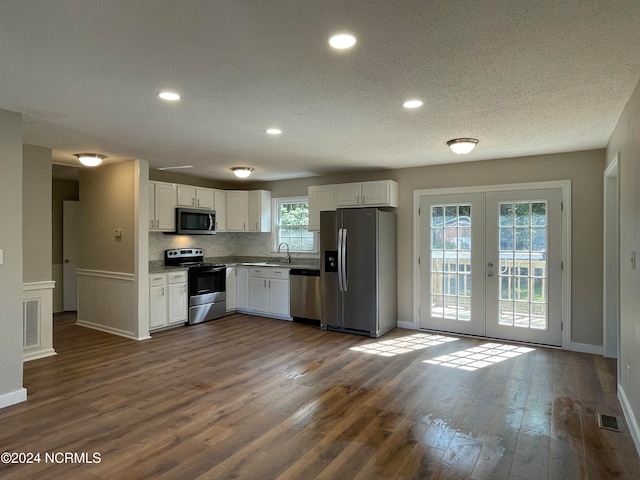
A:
{"points": [[61, 190], [108, 202], [36, 213], [584, 169], [174, 177], [11, 245], [626, 141]]}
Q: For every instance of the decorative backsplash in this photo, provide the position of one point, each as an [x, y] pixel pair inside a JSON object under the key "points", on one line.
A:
{"points": [[219, 245]]}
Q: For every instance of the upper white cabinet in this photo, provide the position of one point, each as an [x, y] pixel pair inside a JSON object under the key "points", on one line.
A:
{"points": [[321, 198], [259, 211], [237, 210], [162, 207], [248, 211], [220, 206], [382, 193], [198, 197]]}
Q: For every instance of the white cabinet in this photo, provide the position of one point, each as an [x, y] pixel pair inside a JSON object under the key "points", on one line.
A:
{"points": [[231, 289], [167, 300], [237, 210], [198, 197], [268, 292], [321, 198], [162, 207], [259, 211], [177, 300], [382, 193], [157, 301], [220, 206], [242, 288]]}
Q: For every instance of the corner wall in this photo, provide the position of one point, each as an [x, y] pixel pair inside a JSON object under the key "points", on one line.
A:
{"points": [[11, 389], [625, 140]]}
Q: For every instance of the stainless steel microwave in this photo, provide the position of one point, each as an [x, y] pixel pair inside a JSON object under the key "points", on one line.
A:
{"points": [[195, 221]]}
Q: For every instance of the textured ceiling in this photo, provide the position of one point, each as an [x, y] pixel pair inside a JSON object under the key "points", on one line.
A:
{"points": [[524, 77]]}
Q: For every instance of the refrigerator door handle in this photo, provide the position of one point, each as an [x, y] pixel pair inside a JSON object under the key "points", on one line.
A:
{"points": [[344, 260], [340, 230]]}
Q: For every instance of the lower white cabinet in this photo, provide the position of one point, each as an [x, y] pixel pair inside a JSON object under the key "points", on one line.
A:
{"points": [[242, 288], [267, 291], [168, 299], [232, 289]]}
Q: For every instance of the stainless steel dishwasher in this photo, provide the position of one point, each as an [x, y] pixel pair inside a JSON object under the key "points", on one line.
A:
{"points": [[304, 298]]}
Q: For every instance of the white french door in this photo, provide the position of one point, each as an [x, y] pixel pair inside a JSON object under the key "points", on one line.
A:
{"points": [[490, 264]]}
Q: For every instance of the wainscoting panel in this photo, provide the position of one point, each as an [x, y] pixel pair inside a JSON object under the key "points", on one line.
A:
{"points": [[107, 301], [37, 320]]}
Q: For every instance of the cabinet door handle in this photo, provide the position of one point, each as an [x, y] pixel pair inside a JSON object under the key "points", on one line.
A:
{"points": [[163, 291], [158, 223], [198, 202], [265, 284], [151, 223], [193, 202], [269, 283], [363, 200]]}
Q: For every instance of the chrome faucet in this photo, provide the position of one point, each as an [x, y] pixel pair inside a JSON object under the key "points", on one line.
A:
{"points": [[287, 259]]}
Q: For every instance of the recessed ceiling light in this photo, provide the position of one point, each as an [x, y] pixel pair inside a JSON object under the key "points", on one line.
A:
{"points": [[342, 41], [170, 96], [412, 104], [274, 131]]}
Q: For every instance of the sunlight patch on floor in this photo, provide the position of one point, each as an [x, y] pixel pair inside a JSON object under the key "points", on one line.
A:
{"points": [[398, 346], [481, 356]]}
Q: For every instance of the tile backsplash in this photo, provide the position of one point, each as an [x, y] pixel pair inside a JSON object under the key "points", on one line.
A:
{"points": [[219, 245]]}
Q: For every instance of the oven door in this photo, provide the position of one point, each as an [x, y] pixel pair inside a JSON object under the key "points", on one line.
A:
{"points": [[207, 281]]}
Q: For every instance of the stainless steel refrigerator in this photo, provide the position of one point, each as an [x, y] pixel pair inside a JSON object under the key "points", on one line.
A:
{"points": [[358, 271]]}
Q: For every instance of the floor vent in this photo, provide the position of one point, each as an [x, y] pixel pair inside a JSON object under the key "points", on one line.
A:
{"points": [[609, 422]]}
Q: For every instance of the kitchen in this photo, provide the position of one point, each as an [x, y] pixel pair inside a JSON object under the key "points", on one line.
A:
{"points": [[117, 248]]}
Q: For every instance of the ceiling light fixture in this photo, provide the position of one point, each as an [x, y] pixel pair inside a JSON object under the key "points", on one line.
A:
{"points": [[462, 146], [170, 96], [274, 131], [242, 172], [90, 159], [342, 41], [412, 104]]}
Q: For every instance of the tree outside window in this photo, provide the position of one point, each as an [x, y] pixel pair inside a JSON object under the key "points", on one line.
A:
{"points": [[292, 225]]}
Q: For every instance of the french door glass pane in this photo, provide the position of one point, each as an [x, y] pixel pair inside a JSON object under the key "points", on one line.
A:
{"points": [[451, 261], [523, 264]]}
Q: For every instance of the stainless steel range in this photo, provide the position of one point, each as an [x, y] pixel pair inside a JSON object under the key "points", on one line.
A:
{"points": [[207, 283]]}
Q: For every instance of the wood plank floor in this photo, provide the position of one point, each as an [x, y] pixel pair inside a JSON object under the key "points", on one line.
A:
{"points": [[254, 398]]}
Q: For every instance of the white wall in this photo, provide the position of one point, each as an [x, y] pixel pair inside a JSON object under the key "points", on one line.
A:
{"points": [[11, 390], [626, 142]]}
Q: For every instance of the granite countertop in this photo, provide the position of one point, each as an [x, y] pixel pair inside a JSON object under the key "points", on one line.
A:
{"points": [[157, 266]]}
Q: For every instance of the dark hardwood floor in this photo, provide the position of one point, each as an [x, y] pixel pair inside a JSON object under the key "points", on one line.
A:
{"points": [[254, 398]]}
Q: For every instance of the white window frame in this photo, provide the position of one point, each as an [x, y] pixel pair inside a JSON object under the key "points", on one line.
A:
{"points": [[275, 208]]}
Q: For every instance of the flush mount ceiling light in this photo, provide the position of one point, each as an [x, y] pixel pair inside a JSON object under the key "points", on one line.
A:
{"points": [[170, 96], [90, 159], [342, 41], [274, 131], [412, 103], [242, 172], [462, 146]]}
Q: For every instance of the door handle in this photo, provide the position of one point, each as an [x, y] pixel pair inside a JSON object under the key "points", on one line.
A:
{"points": [[66, 260]]}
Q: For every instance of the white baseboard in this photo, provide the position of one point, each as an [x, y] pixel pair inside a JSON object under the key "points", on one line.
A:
{"points": [[629, 417], [587, 348], [107, 329], [14, 397], [407, 325], [28, 356]]}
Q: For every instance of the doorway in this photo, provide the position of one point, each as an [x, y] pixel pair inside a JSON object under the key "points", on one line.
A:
{"points": [[491, 262]]}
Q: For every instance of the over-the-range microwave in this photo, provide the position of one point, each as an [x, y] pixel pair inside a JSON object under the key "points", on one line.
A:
{"points": [[195, 221]]}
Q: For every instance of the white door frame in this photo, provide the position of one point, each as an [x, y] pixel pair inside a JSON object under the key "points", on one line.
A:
{"points": [[563, 185], [611, 259]]}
